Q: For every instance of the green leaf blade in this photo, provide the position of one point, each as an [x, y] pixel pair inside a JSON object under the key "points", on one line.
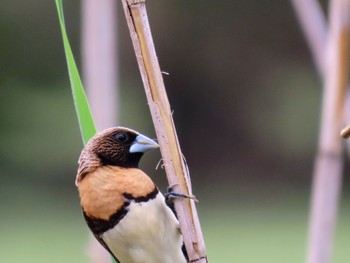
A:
{"points": [[85, 119]]}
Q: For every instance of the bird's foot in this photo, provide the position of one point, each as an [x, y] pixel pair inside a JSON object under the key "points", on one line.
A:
{"points": [[171, 195]]}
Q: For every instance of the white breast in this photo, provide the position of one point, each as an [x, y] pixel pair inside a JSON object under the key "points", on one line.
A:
{"points": [[149, 233]]}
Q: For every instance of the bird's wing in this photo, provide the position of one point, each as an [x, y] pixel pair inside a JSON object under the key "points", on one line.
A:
{"points": [[170, 203], [106, 247], [96, 231]]}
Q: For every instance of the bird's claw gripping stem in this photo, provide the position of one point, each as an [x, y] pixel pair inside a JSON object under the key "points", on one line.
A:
{"points": [[170, 195]]}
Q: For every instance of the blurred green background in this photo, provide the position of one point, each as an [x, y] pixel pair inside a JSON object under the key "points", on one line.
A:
{"points": [[246, 102]]}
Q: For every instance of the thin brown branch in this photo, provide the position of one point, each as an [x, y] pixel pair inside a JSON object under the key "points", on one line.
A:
{"points": [[175, 167], [328, 166]]}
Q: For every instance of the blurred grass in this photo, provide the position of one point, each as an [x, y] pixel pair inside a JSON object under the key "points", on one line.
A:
{"points": [[45, 225], [275, 233]]}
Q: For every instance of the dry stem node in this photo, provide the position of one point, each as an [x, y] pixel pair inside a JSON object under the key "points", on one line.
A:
{"points": [[135, 2]]}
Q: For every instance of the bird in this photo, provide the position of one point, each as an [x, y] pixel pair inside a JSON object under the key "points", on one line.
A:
{"points": [[121, 205]]}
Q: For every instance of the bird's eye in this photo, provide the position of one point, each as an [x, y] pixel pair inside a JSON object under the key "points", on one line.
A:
{"points": [[121, 136]]}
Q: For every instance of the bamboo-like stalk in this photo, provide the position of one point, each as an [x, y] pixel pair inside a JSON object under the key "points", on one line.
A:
{"points": [[100, 77], [328, 166], [324, 202], [175, 167]]}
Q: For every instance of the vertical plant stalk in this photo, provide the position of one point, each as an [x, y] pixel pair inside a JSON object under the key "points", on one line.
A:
{"points": [[329, 163], [100, 77], [175, 167], [100, 69], [312, 21]]}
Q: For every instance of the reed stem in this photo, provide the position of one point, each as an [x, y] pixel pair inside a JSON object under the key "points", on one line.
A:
{"points": [[175, 166], [329, 163]]}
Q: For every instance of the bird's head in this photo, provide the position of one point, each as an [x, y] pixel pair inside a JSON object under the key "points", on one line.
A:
{"points": [[115, 146]]}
